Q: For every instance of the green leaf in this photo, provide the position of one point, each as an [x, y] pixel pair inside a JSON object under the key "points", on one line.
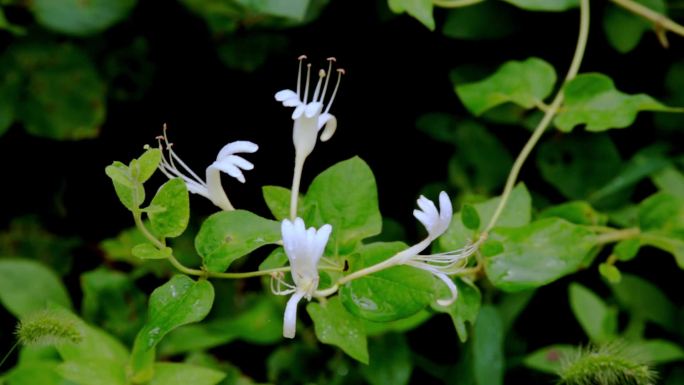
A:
{"points": [[178, 302], [144, 167], [624, 29], [95, 343], [646, 300], [545, 5], [390, 294], [591, 99], [346, 197], [627, 249], [598, 320], [670, 180], [64, 96], [167, 373], [577, 212], [550, 359], [258, 322], [229, 235], [173, 220], [610, 272], [644, 163], [32, 373], [27, 286], [486, 20], [537, 254], [511, 305], [149, 251], [334, 325], [10, 90], [516, 213], [79, 18], [488, 355], [93, 371], [399, 326], [278, 201], [470, 217], [661, 219], [578, 165], [420, 9], [658, 352], [390, 361], [464, 309], [491, 248], [525, 83], [131, 192]]}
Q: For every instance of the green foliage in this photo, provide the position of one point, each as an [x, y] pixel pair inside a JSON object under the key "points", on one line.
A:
{"points": [[59, 78], [345, 196], [488, 355], [598, 320], [78, 18], [180, 374], [661, 219], [464, 309], [229, 235], [172, 212], [624, 30], [27, 286], [483, 21], [538, 253], [419, 9], [550, 359], [387, 295], [525, 83], [545, 5], [644, 299], [336, 326], [390, 361], [592, 100]]}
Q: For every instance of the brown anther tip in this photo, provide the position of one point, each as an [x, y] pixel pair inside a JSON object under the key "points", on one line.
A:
{"points": [[302, 57], [332, 59], [159, 137], [342, 71]]}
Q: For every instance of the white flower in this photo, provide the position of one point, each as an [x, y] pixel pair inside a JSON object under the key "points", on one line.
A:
{"points": [[226, 161], [304, 248], [440, 265], [309, 115]]}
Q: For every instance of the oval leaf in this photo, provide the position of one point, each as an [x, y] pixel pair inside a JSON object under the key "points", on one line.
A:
{"points": [[229, 235], [80, 18], [27, 286], [173, 220], [334, 325], [390, 294]]}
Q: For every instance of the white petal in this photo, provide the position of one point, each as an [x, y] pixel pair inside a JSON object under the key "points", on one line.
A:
{"points": [[290, 318], [452, 288], [427, 206], [230, 169], [445, 209], [425, 219], [287, 230], [285, 95], [312, 109], [233, 160], [297, 113], [292, 102], [237, 147], [330, 123]]}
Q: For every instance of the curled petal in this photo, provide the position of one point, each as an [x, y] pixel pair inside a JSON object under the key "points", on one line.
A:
{"points": [[231, 165], [445, 209], [290, 319], [294, 102], [312, 109], [452, 288], [284, 95], [330, 123], [237, 147]]}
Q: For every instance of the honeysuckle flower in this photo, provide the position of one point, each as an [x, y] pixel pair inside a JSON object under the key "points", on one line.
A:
{"points": [[310, 116], [226, 161], [440, 265], [304, 248]]}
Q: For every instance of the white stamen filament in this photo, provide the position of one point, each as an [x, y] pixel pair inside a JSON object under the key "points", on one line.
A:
{"points": [[321, 75], [306, 87], [340, 72], [327, 78], [299, 76]]}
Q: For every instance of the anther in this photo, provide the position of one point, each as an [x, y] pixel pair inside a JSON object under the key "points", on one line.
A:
{"points": [[331, 58], [302, 57]]}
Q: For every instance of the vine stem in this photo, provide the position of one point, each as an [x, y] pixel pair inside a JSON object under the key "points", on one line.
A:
{"points": [[455, 3], [618, 235], [548, 115], [656, 18], [137, 217]]}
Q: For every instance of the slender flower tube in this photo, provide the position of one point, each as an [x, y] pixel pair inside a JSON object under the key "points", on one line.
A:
{"points": [[304, 248], [226, 161], [310, 116]]}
